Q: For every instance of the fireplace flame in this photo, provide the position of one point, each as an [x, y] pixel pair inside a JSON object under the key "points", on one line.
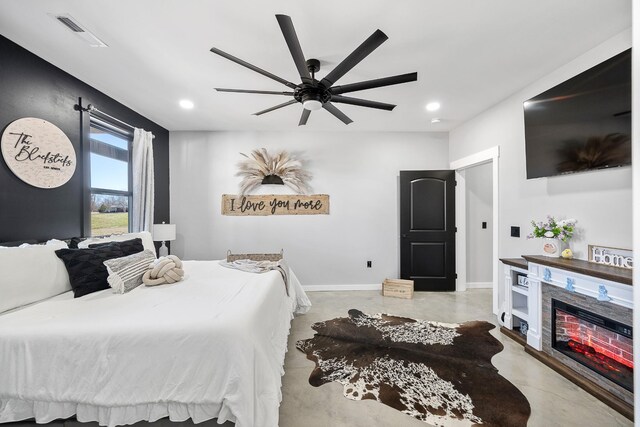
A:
{"points": [[591, 353]]}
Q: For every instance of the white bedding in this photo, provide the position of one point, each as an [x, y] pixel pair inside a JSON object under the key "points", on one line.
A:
{"points": [[211, 346]]}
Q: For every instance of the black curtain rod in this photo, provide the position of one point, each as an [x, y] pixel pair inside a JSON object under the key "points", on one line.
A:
{"points": [[91, 109]]}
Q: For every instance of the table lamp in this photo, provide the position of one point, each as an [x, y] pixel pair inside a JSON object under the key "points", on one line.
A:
{"points": [[163, 233]]}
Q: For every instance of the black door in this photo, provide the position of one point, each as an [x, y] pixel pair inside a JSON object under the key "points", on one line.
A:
{"points": [[427, 229]]}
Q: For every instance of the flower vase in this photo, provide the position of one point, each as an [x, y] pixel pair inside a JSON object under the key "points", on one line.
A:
{"points": [[553, 247]]}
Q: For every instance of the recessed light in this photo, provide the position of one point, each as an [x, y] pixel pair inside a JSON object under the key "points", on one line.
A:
{"points": [[435, 120], [186, 104], [433, 106]]}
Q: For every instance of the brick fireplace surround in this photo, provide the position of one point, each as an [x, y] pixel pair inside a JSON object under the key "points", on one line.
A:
{"points": [[603, 290], [607, 309]]}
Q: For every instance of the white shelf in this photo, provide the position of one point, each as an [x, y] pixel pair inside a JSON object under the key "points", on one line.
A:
{"points": [[522, 271], [516, 296], [521, 313], [520, 290]]}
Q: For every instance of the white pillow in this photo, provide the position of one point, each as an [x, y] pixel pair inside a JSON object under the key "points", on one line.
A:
{"points": [[147, 240], [49, 242], [30, 274], [24, 245]]}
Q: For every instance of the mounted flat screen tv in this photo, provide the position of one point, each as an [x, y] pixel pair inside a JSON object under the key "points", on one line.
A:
{"points": [[582, 124]]}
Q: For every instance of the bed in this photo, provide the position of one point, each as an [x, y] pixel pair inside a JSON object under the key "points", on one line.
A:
{"points": [[209, 347]]}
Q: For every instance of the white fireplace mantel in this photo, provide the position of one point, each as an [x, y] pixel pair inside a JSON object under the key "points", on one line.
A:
{"points": [[607, 284]]}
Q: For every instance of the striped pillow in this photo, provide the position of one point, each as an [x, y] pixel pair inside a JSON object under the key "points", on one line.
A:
{"points": [[126, 273]]}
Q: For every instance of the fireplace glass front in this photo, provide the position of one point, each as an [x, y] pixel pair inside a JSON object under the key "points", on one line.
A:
{"points": [[601, 344]]}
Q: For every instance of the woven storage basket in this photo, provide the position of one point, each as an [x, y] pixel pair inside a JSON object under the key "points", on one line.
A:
{"points": [[255, 257]]}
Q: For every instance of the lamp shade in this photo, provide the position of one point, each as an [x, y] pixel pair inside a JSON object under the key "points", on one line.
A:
{"points": [[164, 232]]}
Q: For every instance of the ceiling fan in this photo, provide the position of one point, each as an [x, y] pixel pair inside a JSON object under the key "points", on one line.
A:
{"points": [[314, 94]]}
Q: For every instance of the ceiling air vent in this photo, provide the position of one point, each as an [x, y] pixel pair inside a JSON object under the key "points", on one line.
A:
{"points": [[70, 24], [79, 30]]}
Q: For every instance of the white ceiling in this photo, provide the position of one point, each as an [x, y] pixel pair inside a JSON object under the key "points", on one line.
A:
{"points": [[469, 54]]}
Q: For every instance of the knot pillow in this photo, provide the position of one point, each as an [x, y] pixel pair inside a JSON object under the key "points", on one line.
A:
{"points": [[164, 270]]}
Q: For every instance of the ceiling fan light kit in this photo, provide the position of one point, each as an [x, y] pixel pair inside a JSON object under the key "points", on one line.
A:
{"points": [[314, 94], [312, 105]]}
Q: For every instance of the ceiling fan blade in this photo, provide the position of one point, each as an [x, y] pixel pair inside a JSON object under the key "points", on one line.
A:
{"points": [[339, 114], [370, 84], [304, 117], [284, 104], [263, 92], [253, 67], [362, 102], [361, 52], [290, 36]]}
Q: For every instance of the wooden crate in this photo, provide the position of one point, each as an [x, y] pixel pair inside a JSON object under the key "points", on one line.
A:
{"points": [[397, 288]]}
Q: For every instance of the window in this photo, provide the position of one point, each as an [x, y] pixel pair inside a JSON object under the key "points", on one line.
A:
{"points": [[110, 178]]}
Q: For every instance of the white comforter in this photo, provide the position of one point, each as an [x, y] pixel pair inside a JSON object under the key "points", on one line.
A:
{"points": [[210, 346]]}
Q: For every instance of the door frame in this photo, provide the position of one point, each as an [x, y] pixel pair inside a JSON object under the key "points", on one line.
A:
{"points": [[491, 155]]}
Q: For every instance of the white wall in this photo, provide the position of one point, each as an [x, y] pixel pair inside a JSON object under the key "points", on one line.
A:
{"points": [[479, 209], [600, 200], [359, 171], [635, 131]]}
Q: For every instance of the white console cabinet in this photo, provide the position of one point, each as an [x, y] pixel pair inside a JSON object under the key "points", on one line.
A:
{"points": [[523, 304]]}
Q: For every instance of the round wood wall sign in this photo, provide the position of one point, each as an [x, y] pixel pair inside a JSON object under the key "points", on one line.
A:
{"points": [[38, 152]]}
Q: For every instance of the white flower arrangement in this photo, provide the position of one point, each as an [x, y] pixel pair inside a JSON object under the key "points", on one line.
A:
{"points": [[562, 229]]}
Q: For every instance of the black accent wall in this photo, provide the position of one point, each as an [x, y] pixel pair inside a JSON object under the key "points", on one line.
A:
{"points": [[32, 87]]}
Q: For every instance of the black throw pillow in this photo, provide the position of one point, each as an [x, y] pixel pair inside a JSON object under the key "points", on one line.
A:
{"points": [[74, 241], [87, 272], [128, 247]]}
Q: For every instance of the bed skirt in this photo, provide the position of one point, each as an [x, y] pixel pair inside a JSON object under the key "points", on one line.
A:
{"points": [[45, 412]]}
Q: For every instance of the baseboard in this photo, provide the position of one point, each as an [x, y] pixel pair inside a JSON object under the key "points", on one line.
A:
{"points": [[376, 287], [331, 288], [514, 335], [479, 285]]}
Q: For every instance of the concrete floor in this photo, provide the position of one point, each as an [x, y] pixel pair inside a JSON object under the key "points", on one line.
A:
{"points": [[554, 400]]}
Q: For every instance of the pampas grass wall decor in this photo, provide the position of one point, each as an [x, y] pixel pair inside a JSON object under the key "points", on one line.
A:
{"points": [[262, 167]]}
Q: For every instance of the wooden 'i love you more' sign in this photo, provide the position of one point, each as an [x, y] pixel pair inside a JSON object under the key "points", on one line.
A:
{"points": [[274, 204]]}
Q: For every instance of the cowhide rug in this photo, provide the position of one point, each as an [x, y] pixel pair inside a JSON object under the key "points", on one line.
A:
{"points": [[436, 372]]}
